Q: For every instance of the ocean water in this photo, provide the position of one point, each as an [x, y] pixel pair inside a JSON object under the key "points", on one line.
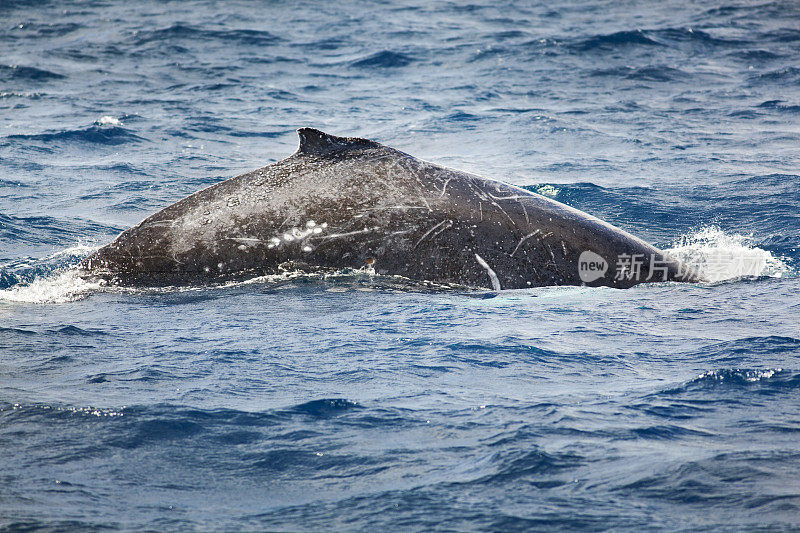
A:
{"points": [[352, 402]]}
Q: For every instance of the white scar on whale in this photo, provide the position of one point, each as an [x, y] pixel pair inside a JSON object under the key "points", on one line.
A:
{"points": [[492, 275]]}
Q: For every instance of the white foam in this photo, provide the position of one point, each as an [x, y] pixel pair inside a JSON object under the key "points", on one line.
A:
{"points": [[548, 190], [105, 120], [752, 376], [720, 256], [79, 250], [66, 255], [58, 287]]}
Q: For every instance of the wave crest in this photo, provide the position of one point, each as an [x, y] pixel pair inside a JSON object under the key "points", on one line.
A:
{"points": [[96, 134]]}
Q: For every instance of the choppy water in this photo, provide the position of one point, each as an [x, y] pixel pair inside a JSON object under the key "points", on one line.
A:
{"points": [[351, 403]]}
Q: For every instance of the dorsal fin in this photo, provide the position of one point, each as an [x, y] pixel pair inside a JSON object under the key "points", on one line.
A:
{"points": [[314, 141]]}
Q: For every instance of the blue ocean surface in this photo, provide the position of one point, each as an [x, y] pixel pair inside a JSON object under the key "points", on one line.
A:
{"points": [[351, 402]]}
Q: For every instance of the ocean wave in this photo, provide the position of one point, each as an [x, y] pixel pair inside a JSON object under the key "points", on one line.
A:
{"points": [[773, 184], [16, 331], [10, 183], [76, 331], [20, 94], [324, 408], [756, 55], [779, 105], [21, 72], [786, 74], [383, 60], [783, 35], [500, 352], [724, 479], [667, 432], [736, 376], [105, 120], [694, 36], [537, 466], [324, 44], [19, 410], [29, 30], [740, 350], [47, 230], [763, 381], [26, 270], [185, 32], [174, 419], [616, 40], [97, 134], [654, 38], [257, 134], [648, 73]]}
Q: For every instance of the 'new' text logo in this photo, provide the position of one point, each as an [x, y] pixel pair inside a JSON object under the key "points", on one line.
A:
{"points": [[591, 266]]}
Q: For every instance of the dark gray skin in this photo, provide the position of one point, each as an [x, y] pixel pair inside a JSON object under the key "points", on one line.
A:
{"points": [[348, 203]]}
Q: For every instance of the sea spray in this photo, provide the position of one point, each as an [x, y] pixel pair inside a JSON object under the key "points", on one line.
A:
{"points": [[721, 256]]}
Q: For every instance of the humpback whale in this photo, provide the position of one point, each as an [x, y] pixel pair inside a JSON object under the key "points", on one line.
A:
{"points": [[350, 203]]}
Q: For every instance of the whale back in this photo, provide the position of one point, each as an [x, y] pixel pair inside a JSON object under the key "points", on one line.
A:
{"points": [[350, 203]]}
